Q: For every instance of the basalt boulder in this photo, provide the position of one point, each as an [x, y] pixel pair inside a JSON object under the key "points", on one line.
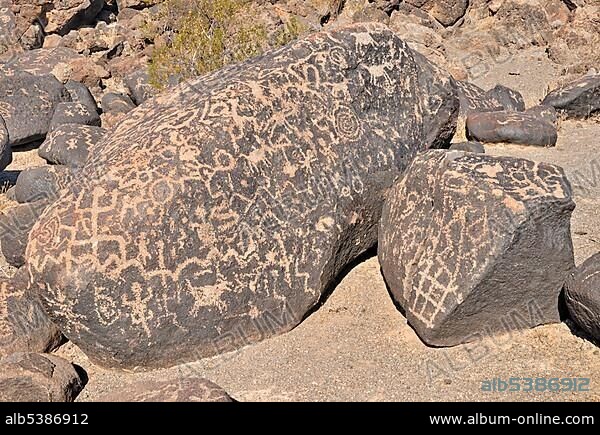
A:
{"points": [[34, 377], [44, 182], [582, 294], [218, 213], [471, 245], [24, 326], [74, 113], [27, 103], [519, 128], [579, 99], [15, 225], [70, 144]]}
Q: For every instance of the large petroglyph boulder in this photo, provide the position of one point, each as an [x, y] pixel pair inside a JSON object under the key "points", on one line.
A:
{"points": [[582, 295], [471, 244], [217, 214], [24, 326]]}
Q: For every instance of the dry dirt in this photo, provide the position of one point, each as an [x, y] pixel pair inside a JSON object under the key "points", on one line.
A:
{"points": [[358, 347]]}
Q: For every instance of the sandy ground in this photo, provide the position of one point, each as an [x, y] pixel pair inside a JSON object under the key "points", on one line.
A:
{"points": [[358, 347]]}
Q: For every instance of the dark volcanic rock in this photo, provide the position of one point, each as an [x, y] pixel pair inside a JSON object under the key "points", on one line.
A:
{"points": [[44, 182], [140, 87], [582, 294], [35, 377], [74, 113], [15, 225], [229, 204], [24, 326], [184, 389], [468, 241], [117, 103], [27, 104], [511, 127], [69, 144], [81, 94], [579, 99], [471, 147], [5, 148], [474, 99], [507, 98], [546, 113]]}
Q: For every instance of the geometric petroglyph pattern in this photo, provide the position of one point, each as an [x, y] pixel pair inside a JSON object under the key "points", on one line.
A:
{"points": [[70, 144], [230, 203], [461, 239]]}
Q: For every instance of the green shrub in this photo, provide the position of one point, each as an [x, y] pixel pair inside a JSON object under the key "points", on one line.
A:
{"points": [[202, 36]]}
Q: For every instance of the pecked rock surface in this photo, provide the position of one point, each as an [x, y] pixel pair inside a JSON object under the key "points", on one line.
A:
{"points": [[472, 245], [217, 214]]}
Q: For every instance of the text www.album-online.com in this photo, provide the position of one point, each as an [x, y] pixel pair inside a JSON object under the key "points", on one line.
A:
{"points": [[504, 419]]}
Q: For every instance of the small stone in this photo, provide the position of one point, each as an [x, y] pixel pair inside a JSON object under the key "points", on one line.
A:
{"points": [[471, 147]]}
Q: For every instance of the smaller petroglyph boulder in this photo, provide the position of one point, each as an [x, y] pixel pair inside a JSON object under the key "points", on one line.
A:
{"points": [[70, 144], [27, 104], [44, 182], [507, 98], [66, 15], [579, 99], [34, 377], [184, 389], [545, 113], [74, 113], [15, 225], [80, 93], [466, 239], [511, 127], [139, 86], [582, 294], [24, 326], [117, 103]]}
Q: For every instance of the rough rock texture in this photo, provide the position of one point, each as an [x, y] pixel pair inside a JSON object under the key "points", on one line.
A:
{"points": [[34, 377], [139, 86], [579, 99], [582, 294], [474, 99], [69, 14], [24, 326], [5, 148], [511, 127], [546, 113], [117, 103], [183, 389], [70, 144], [471, 147], [44, 182], [27, 104], [82, 95], [466, 239], [230, 204], [15, 225], [74, 113], [506, 98], [447, 12], [43, 61]]}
